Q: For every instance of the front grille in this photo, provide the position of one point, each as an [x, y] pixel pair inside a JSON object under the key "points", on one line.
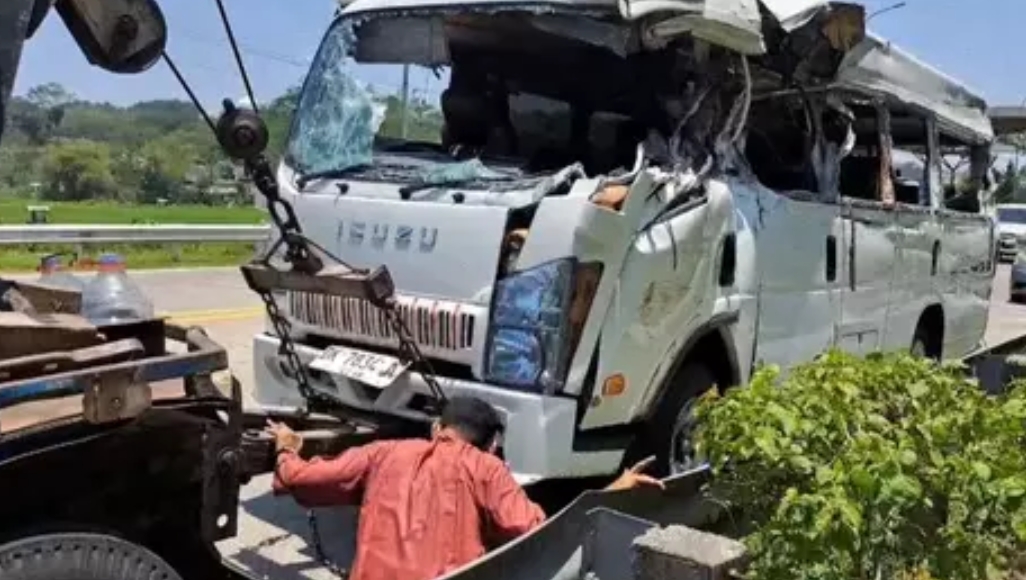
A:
{"points": [[433, 323]]}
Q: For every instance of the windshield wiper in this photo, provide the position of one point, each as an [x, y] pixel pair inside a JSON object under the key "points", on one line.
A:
{"points": [[335, 173]]}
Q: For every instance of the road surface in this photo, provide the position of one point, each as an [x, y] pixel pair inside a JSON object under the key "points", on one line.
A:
{"points": [[273, 540]]}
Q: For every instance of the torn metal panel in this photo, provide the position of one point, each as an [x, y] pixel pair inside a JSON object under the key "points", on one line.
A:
{"points": [[792, 14], [734, 24], [612, 36], [368, 6], [878, 67]]}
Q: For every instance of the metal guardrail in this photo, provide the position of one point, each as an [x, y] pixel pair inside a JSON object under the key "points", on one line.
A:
{"points": [[82, 234]]}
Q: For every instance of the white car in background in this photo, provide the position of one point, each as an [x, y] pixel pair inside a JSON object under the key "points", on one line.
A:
{"points": [[1011, 224]]}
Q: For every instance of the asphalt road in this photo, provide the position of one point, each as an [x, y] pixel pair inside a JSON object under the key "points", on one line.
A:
{"points": [[274, 538]]}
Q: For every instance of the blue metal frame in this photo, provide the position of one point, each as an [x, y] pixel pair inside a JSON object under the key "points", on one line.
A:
{"points": [[205, 357]]}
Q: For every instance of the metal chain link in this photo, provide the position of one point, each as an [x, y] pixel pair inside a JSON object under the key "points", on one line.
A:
{"points": [[315, 538]]}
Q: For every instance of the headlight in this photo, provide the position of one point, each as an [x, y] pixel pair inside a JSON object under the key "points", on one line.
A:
{"points": [[532, 333]]}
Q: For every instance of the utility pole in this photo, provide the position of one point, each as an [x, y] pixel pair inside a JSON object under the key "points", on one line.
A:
{"points": [[404, 114]]}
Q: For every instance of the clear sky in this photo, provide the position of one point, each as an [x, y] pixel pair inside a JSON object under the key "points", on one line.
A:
{"points": [[979, 42]]}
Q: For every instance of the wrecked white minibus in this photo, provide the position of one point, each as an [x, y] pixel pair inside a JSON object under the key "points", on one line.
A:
{"points": [[625, 204]]}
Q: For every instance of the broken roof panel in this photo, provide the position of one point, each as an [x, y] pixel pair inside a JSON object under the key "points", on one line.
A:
{"points": [[735, 24], [877, 66], [793, 13]]}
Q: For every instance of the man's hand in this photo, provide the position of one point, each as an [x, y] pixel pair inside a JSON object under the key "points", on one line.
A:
{"points": [[285, 439], [634, 477]]}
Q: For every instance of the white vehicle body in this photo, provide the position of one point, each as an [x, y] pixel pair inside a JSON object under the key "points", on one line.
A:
{"points": [[1011, 227], [703, 271]]}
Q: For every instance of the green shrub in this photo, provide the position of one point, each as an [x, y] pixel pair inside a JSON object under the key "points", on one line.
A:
{"points": [[888, 467]]}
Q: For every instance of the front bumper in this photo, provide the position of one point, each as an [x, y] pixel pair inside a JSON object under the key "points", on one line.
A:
{"points": [[540, 430]]}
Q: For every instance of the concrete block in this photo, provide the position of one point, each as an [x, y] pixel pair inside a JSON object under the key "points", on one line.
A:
{"points": [[682, 553]]}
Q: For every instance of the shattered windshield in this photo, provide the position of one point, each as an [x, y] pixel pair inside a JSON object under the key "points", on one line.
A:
{"points": [[496, 99], [346, 125], [337, 117]]}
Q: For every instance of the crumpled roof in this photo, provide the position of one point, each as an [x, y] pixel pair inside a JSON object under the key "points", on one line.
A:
{"points": [[880, 67], [735, 24], [793, 13]]}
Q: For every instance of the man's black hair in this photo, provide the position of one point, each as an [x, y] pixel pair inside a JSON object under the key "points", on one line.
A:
{"points": [[476, 420]]}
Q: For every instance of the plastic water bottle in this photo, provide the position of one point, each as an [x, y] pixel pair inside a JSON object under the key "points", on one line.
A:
{"points": [[111, 297], [52, 273]]}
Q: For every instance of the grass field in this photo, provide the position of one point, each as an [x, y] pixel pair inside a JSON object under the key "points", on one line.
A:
{"points": [[26, 258]]}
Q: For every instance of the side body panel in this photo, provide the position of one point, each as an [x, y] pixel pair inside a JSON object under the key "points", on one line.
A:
{"points": [[966, 268], [668, 288], [871, 250], [799, 263], [917, 284]]}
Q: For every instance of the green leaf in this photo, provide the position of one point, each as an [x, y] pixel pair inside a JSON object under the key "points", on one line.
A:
{"points": [[982, 470], [851, 515], [788, 421], [918, 389], [1019, 524], [864, 481], [908, 458], [902, 486], [1014, 487], [802, 463]]}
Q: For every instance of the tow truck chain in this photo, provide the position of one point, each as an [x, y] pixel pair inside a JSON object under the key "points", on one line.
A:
{"points": [[315, 538], [246, 143], [298, 254], [288, 228]]}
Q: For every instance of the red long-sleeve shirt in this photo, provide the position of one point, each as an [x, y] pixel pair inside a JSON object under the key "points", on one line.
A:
{"points": [[426, 505]]}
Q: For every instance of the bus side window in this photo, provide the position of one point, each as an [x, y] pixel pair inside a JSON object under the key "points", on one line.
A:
{"points": [[963, 174]]}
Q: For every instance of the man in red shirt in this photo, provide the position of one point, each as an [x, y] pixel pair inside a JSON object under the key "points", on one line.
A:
{"points": [[425, 504]]}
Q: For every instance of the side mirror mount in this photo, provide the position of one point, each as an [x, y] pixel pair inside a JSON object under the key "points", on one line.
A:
{"points": [[120, 36]]}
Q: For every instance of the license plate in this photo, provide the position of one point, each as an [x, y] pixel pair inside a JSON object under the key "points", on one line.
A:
{"points": [[377, 370]]}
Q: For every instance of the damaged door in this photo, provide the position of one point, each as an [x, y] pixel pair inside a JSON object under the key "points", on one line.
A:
{"points": [[870, 232], [800, 289]]}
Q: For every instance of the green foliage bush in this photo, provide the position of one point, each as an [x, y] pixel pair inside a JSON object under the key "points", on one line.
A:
{"points": [[885, 467]]}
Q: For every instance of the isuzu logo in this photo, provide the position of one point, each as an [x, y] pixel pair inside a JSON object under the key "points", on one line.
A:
{"points": [[380, 235]]}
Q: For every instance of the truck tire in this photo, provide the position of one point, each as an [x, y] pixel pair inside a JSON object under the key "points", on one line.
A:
{"points": [[923, 342], [918, 349], [79, 556], [669, 433]]}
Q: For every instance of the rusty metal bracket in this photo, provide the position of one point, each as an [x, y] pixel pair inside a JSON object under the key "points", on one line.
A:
{"points": [[114, 396], [375, 286], [223, 471]]}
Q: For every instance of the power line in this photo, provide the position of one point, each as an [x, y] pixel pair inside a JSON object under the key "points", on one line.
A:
{"points": [[394, 87], [248, 49]]}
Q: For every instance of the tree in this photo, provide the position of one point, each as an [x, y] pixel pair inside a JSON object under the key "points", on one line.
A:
{"points": [[78, 171], [423, 122], [165, 164], [884, 467], [278, 117], [1008, 183], [41, 111], [49, 96]]}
